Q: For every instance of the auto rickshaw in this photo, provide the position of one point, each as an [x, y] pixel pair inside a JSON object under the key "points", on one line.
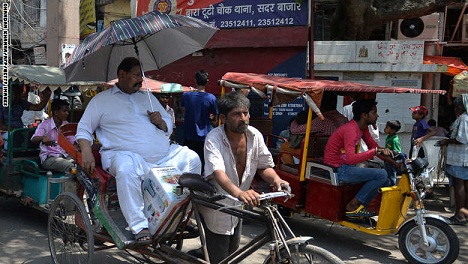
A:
{"points": [[423, 238]]}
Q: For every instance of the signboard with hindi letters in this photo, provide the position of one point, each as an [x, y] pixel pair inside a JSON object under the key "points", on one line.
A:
{"points": [[234, 13]]}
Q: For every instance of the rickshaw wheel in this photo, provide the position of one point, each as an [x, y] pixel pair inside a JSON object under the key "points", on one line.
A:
{"points": [[443, 245], [69, 230], [304, 253]]}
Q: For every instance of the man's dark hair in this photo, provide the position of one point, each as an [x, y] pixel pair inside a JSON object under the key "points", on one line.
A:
{"points": [[301, 117], [57, 104], [432, 122], [231, 101], [127, 64], [329, 101], [362, 106], [394, 124], [201, 77]]}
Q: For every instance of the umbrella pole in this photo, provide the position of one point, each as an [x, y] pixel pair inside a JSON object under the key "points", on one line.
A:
{"points": [[143, 74], [147, 89]]}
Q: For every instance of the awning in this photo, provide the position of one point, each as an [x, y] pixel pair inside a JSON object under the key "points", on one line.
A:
{"points": [[294, 86], [455, 65], [46, 76], [284, 89]]}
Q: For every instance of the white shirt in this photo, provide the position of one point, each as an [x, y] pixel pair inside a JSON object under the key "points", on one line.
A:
{"points": [[29, 117], [171, 112], [122, 124], [457, 154], [218, 156]]}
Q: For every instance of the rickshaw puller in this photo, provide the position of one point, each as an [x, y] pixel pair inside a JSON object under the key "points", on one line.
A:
{"points": [[342, 152], [133, 140], [234, 152]]}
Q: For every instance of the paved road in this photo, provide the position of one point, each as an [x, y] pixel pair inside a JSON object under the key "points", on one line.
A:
{"points": [[23, 237]]}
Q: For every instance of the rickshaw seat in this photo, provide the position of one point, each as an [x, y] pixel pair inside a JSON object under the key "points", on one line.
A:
{"points": [[21, 145], [322, 172]]}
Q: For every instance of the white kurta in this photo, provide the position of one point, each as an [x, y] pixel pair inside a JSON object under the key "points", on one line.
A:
{"points": [[131, 145]]}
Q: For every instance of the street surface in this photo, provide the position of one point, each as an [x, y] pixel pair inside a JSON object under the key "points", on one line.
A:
{"points": [[23, 237]]}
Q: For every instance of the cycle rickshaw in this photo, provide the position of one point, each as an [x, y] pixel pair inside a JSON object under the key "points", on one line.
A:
{"points": [[21, 175], [422, 237]]}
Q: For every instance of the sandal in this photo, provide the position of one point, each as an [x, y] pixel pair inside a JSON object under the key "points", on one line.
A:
{"points": [[360, 212], [455, 221], [143, 237]]}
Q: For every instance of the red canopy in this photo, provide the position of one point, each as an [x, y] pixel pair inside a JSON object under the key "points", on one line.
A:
{"points": [[455, 65], [314, 88]]}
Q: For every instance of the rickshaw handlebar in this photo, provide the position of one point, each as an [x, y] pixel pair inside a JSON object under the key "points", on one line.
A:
{"points": [[263, 196]]}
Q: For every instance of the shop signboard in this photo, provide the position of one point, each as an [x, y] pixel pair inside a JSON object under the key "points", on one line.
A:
{"points": [[234, 13]]}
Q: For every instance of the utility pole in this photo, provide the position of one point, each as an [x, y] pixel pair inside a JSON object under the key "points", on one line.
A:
{"points": [[63, 28], [6, 44]]}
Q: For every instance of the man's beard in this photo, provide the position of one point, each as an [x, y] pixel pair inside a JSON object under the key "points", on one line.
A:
{"points": [[241, 128]]}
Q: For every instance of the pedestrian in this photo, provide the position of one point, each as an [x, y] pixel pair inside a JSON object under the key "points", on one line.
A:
{"points": [[133, 141], [18, 106], [457, 159], [234, 153], [198, 106], [30, 118], [164, 100], [439, 131], [421, 131]]}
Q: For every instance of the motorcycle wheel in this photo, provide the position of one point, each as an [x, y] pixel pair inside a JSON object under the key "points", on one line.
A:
{"points": [[443, 245]]}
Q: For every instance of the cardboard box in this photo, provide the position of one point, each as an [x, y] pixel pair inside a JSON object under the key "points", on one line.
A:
{"points": [[162, 195]]}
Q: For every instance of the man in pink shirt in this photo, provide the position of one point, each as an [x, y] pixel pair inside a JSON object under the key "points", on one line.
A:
{"points": [[342, 152]]}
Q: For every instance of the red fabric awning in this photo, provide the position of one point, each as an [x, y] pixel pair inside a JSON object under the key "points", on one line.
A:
{"points": [[455, 65], [314, 88]]}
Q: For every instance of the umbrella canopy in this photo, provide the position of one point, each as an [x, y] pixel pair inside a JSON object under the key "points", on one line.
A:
{"points": [[159, 39], [45, 76], [156, 86]]}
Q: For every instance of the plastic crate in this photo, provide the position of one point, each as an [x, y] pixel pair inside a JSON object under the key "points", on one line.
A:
{"points": [[36, 188]]}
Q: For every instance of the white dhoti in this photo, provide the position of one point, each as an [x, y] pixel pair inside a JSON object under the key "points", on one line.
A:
{"points": [[128, 169]]}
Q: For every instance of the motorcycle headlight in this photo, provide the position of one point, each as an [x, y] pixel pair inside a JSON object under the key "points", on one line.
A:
{"points": [[426, 178], [419, 164]]}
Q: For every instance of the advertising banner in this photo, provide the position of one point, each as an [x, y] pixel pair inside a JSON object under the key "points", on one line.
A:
{"points": [[234, 13], [87, 18]]}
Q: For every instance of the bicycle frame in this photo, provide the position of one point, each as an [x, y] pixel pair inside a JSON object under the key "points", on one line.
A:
{"points": [[277, 231]]}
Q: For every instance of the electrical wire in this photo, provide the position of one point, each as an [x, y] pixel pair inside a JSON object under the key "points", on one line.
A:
{"points": [[20, 19]]}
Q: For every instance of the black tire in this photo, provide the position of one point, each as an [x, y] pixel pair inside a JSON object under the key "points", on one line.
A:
{"points": [[444, 245], [304, 253], [69, 242]]}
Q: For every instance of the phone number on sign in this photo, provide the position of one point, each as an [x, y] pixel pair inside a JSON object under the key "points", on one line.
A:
{"points": [[263, 22]]}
